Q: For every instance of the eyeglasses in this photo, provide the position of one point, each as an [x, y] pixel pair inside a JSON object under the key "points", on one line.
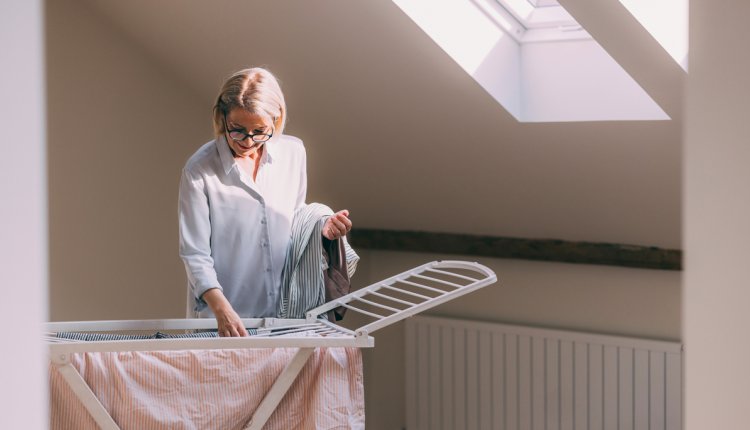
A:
{"points": [[238, 135]]}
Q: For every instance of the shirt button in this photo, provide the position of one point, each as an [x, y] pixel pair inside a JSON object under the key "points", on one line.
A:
{"points": [[268, 269], [263, 221]]}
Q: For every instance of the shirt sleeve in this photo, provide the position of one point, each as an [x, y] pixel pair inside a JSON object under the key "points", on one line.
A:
{"points": [[302, 194], [195, 237]]}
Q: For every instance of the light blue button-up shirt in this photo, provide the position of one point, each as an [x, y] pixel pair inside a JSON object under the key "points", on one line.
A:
{"points": [[234, 231]]}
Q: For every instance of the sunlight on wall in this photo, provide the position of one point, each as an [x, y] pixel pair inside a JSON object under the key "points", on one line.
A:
{"points": [[667, 21], [474, 37], [458, 27]]}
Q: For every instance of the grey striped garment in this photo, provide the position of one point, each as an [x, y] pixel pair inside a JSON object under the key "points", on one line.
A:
{"points": [[92, 337], [302, 285]]}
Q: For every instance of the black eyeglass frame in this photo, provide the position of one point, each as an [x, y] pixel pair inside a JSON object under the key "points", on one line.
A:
{"points": [[265, 137]]}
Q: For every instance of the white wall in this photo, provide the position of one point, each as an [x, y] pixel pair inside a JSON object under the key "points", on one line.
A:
{"points": [[121, 129], [23, 218], [717, 210]]}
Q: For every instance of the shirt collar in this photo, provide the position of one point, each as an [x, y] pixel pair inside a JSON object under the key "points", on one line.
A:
{"points": [[270, 150], [227, 159]]}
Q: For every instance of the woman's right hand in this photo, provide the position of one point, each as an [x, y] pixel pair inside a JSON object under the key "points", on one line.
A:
{"points": [[227, 320]]}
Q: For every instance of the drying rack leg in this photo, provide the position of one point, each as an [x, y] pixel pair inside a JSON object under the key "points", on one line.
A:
{"points": [[87, 397], [279, 389]]}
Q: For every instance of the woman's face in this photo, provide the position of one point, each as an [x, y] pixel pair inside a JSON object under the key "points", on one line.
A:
{"points": [[248, 123]]}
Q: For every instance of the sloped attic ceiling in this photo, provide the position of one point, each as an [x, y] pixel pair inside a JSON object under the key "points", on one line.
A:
{"points": [[537, 62], [400, 135]]}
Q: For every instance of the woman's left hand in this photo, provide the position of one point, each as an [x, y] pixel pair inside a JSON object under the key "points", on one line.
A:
{"points": [[337, 225]]}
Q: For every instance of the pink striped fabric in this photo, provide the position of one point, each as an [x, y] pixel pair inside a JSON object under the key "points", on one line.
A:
{"points": [[213, 389]]}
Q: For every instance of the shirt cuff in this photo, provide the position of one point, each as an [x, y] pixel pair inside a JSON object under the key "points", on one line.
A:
{"points": [[201, 304]]}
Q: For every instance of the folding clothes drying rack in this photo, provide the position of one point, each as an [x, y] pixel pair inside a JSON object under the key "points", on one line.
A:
{"points": [[398, 297]]}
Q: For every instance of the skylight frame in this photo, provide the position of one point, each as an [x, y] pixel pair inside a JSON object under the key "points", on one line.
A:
{"points": [[526, 23], [548, 3]]}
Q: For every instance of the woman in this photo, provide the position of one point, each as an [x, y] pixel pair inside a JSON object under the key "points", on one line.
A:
{"points": [[238, 194]]}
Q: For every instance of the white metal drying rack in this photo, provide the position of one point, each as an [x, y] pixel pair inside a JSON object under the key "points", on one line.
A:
{"points": [[386, 302]]}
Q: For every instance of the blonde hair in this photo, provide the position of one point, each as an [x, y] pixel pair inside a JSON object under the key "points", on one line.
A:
{"points": [[257, 91]]}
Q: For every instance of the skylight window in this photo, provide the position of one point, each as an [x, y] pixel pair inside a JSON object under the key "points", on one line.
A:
{"points": [[534, 59], [525, 22]]}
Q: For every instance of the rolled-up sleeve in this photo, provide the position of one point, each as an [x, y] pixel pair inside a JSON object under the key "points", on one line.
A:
{"points": [[195, 237]]}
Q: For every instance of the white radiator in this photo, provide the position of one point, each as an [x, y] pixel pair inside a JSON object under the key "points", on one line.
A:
{"points": [[472, 375]]}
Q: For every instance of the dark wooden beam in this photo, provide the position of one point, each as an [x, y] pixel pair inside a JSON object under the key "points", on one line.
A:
{"points": [[611, 254]]}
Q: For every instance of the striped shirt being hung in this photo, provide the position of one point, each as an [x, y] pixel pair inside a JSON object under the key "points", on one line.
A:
{"points": [[302, 285]]}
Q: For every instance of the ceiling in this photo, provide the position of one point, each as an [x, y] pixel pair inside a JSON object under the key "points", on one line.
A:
{"points": [[399, 134]]}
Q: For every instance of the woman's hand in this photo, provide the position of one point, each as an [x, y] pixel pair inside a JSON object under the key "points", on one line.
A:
{"points": [[230, 324], [227, 320], [337, 225]]}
